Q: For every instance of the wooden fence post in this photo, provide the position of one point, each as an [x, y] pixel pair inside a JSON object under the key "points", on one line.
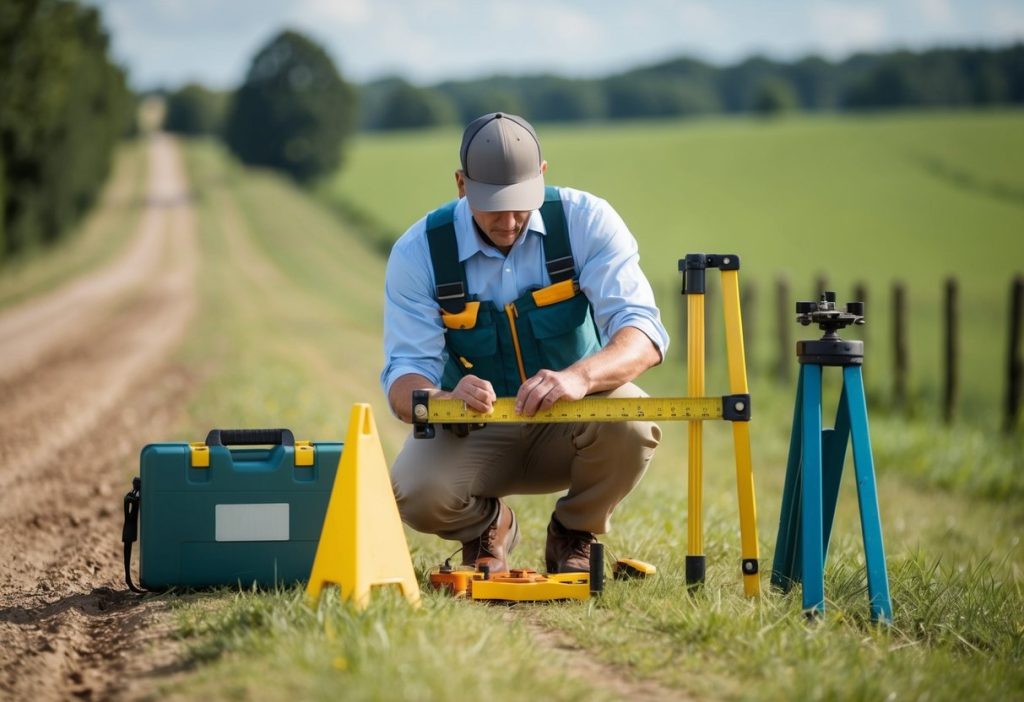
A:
{"points": [[951, 386], [784, 320], [860, 294], [899, 338], [820, 285], [1015, 364]]}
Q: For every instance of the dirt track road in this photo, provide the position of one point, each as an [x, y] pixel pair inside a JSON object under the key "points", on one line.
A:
{"points": [[86, 378]]}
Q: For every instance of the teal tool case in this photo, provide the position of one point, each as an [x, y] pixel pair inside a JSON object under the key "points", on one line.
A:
{"points": [[215, 514]]}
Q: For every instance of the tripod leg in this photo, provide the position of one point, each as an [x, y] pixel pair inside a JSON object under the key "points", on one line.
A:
{"points": [[695, 562], [748, 511], [833, 452], [867, 496], [811, 523], [741, 434], [785, 572]]}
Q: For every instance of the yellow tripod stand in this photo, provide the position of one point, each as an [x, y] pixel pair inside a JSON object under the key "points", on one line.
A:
{"points": [[693, 268]]}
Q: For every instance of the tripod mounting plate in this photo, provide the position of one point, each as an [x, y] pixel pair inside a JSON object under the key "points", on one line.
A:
{"points": [[831, 352]]}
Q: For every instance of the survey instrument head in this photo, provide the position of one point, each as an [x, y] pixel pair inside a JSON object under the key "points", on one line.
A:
{"points": [[825, 315], [830, 350]]}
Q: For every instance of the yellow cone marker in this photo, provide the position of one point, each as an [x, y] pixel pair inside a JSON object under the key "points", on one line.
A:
{"points": [[362, 545]]}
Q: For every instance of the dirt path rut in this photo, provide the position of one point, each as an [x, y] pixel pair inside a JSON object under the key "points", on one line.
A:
{"points": [[86, 378]]}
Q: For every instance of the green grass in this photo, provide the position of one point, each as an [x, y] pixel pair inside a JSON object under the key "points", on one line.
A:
{"points": [[274, 646], [915, 196], [93, 242], [290, 335]]}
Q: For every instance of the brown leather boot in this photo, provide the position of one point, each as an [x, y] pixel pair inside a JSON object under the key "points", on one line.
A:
{"points": [[493, 547], [567, 550]]}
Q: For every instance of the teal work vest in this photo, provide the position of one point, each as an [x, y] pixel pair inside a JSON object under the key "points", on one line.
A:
{"points": [[551, 327]]}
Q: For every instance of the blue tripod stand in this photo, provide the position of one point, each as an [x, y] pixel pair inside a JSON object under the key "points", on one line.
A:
{"points": [[815, 464]]}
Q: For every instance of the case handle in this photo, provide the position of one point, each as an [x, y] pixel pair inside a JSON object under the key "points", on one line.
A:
{"points": [[250, 437]]}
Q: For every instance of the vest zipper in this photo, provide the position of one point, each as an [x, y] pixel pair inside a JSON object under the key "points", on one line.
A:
{"points": [[513, 315]]}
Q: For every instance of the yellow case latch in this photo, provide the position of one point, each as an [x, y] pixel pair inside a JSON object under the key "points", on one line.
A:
{"points": [[305, 454], [200, 454]]}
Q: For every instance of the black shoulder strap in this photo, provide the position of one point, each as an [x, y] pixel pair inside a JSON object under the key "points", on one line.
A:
{"points": [[130, 531], [557, 250], [449, 274]]}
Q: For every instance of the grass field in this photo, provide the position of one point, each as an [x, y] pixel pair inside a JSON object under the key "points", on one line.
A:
{"points": [[915, 197], [290, 335]]}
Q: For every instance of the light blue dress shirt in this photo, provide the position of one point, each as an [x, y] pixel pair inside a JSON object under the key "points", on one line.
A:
{"points": [[607, 263]]}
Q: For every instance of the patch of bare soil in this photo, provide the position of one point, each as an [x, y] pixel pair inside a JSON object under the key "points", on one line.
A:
{"points": [[620, 682], [86, 379]]}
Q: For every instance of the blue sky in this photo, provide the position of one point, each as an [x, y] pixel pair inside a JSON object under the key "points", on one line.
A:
{"points": [[168, 42]]}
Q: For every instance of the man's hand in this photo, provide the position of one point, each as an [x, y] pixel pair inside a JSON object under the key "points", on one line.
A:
{"points": [[629, 353], [477, 393], [548, 387]]}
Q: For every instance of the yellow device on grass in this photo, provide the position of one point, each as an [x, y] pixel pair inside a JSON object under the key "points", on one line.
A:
{"points": [[628, 568]]}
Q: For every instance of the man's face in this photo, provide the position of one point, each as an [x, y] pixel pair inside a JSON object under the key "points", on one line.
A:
{"points": [[502, 228]]}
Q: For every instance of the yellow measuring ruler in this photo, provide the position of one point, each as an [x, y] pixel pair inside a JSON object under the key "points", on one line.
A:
{"points": [[427, 411]]}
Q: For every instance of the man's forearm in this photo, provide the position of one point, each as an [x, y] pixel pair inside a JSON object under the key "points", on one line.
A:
{"points": [[629, 353], [400, 394]]}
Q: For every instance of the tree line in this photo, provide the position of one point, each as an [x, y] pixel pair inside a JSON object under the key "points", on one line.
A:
{"points": [[951, 77], [64, 105]]}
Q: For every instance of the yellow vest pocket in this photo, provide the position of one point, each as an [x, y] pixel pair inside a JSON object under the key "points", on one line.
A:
{"points": [[466, 319]]}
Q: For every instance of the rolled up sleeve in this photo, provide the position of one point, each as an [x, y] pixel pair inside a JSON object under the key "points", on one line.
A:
{"points": [[610, 274], [413, 333]]}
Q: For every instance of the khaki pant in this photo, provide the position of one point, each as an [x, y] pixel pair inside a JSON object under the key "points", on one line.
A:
{"points": [[446, 485]]}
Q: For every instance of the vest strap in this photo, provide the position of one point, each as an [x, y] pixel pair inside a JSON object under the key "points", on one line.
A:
{"points": [[557, 251], [449, 273]]}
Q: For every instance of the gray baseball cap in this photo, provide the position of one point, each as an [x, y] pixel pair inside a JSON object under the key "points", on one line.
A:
{"points": [[501, 162]]}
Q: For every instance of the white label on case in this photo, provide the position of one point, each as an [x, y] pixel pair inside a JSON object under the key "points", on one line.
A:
{"points": [[259, 522]]}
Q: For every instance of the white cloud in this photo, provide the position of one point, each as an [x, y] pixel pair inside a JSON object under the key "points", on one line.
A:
{"points": [[571, 25], [173, 9], [549, 24], [345, 13], [842, 27], [699, 18], [1008, 20], [935, 12]]}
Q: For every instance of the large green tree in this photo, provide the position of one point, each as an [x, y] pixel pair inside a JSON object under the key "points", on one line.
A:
{"points": [[63, 107], [294, 111]]}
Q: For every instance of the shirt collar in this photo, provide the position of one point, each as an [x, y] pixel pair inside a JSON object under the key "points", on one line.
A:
{"points": [[470, 243]]}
